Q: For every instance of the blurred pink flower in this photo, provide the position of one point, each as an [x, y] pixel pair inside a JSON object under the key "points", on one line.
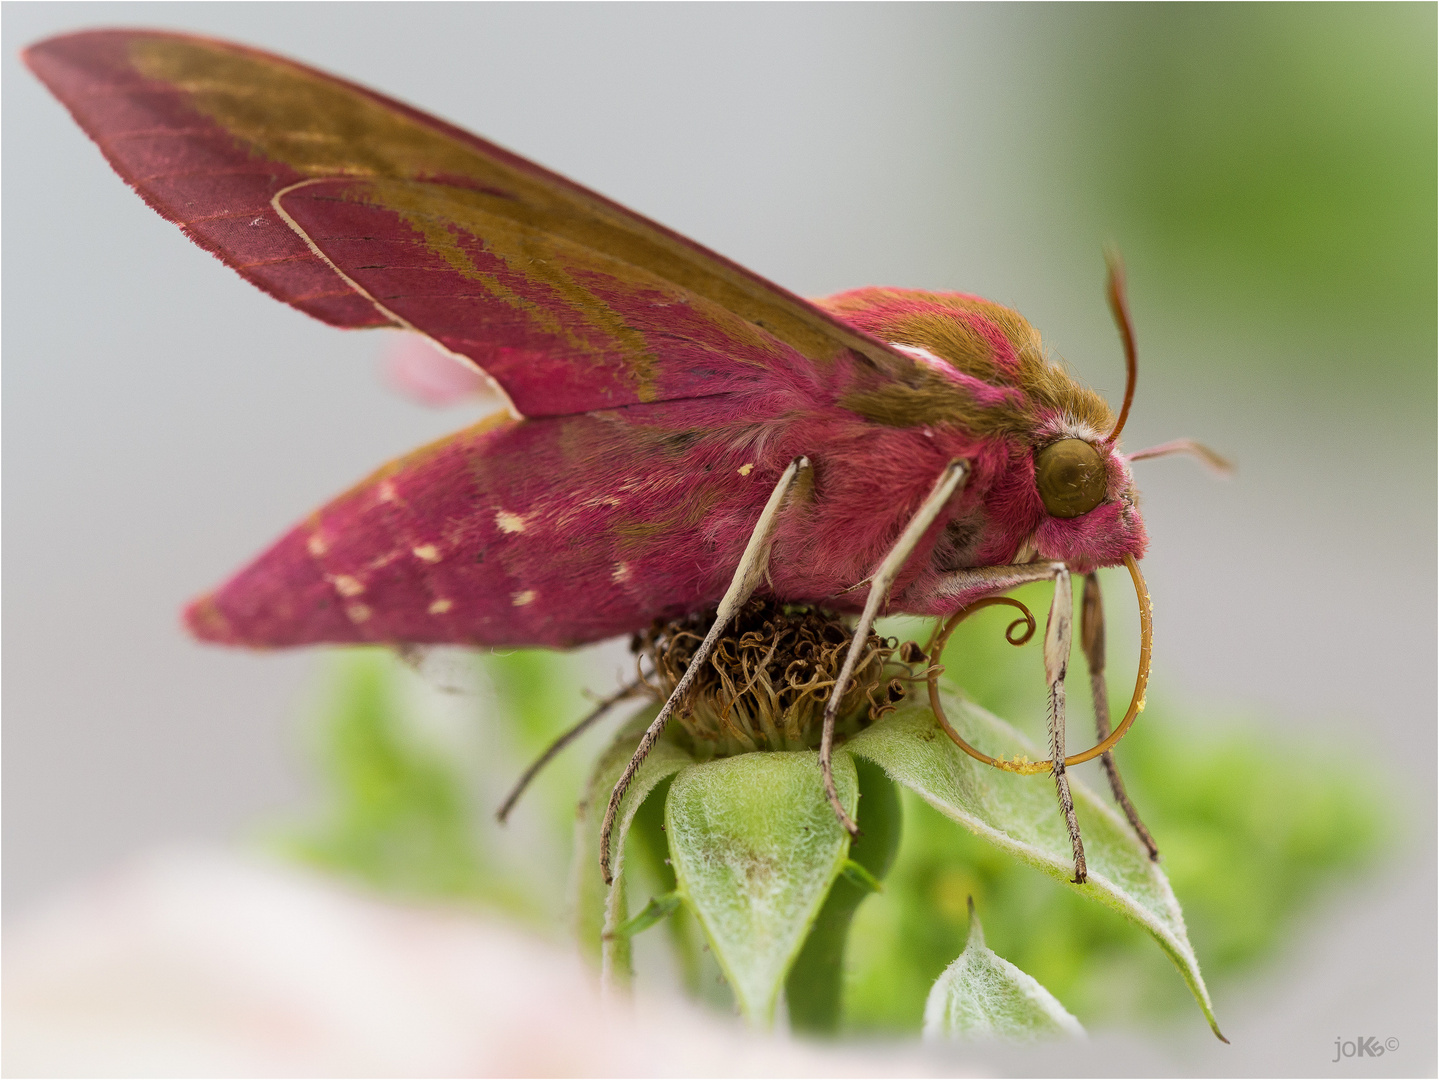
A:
{"points": [[203, 963], [418, 370]]}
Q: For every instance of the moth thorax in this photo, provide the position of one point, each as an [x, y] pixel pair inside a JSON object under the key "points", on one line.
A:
{"points": [[766, 684]]}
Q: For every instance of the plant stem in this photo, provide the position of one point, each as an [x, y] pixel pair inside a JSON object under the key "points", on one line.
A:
{"points": [[813, 988]]}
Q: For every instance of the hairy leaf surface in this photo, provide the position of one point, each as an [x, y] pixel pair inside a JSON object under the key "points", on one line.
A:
{"points": [[984, 996], [755, 848]]}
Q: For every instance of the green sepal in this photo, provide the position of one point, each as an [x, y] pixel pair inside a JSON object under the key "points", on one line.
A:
{"points": [[856, 874], [755, 848], [813, 988]]}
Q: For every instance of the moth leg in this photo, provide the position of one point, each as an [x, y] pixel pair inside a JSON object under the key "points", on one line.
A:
{"points": [[994, 579], [566, 737], [1091, 637], [947, 484], [1057, 639], [747, 576]]}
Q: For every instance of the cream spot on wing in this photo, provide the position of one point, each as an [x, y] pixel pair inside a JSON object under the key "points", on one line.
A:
{"points": [[621, 572], [520, 599], [358, 613], [427, 552], [745, 470], [386, 492], [345, 585], [316, 545], [439, 607], [510, 523]]}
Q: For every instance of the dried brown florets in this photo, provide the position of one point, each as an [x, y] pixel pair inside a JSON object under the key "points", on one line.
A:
{"points": [[766, 683]]}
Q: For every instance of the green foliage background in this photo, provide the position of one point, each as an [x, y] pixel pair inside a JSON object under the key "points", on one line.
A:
{"points": [[1277, 159]]}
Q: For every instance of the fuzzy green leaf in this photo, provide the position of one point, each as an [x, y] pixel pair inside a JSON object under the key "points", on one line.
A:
{"points": [[599, 909], [984, 996], [756, 847], [1019, 814]]}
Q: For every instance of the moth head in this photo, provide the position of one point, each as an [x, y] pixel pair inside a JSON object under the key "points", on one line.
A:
{"points": [[1084, 482], [1081, 479], [1085, 504]]}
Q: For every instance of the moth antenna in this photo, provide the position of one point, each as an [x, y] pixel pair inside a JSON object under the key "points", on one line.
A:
{"points": [[565, 738], [1215, 462], [1119, 305]]}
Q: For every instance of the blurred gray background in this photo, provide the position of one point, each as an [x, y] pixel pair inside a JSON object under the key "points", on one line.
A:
{"points": [[1269, 177]]}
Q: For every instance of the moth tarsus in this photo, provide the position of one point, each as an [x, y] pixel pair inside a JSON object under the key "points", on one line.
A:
{"points": [[1071, 822], [1092, 641], [1057, 639]]}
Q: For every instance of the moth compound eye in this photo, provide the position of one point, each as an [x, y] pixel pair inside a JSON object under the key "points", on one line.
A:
{"points": [[1071, 477]]}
